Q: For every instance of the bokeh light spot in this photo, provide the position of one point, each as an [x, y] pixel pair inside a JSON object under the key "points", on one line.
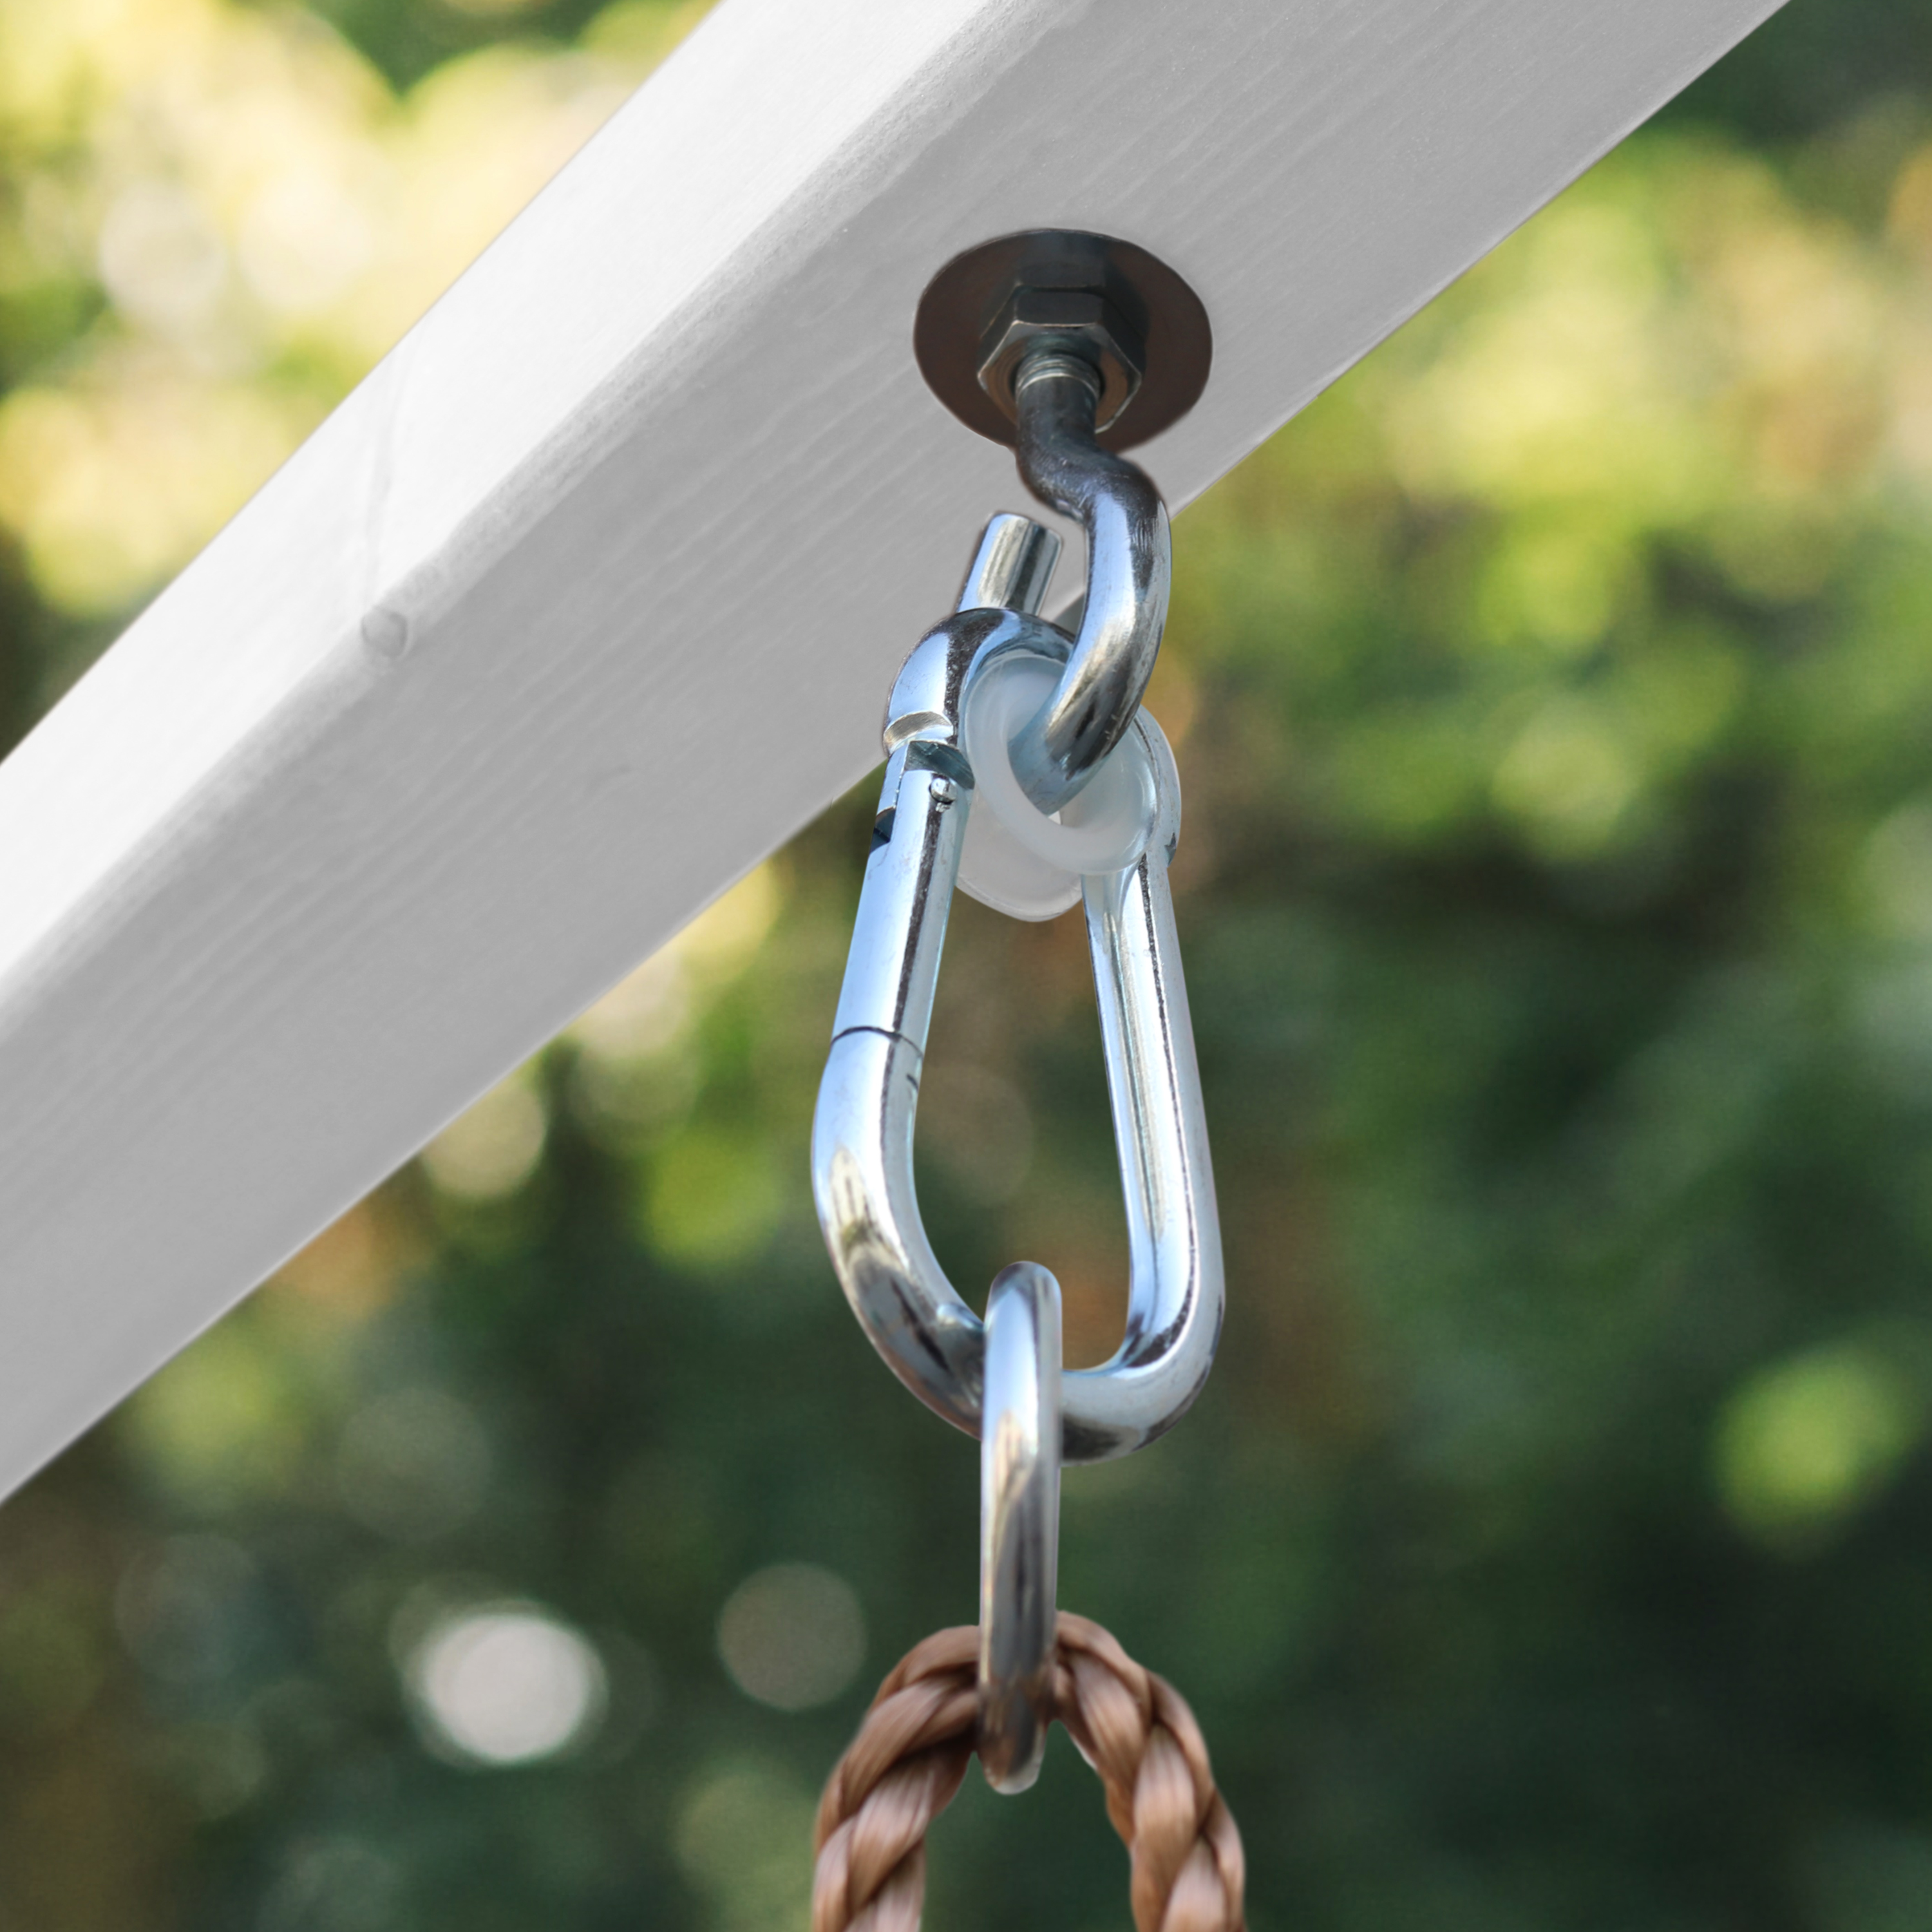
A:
{"points": [[1806, 1441], [490, 1150], [641, 1015], [792, 1635], [744, 1839], [303, 241], [191, 1612], [1897, 873], [50, 1660], [1569, 778], [336, 1884], [221, 1769], [162, 257], [223, 1422], [413, 1464], [711, 1198], [978, 1126], [506, 1684]]}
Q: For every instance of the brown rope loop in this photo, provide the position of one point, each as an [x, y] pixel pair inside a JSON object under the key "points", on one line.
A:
{"points": [[1134, 1728]]}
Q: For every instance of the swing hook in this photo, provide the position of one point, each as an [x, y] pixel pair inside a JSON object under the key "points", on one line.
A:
{"points": [[1058, 386], [1042, 340]]}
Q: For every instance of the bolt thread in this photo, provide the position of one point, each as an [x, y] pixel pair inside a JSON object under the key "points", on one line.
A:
{"points": [[1049, 360]]}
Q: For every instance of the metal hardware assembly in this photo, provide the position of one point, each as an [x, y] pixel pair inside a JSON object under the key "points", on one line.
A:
{"points": [[1161, 319], [1019, 1523], [999, 716], [1043, 340], [862, 1134], [1085, 325]]}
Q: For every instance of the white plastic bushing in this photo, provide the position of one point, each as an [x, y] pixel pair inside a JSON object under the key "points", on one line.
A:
{"points": [[1017, 859]]}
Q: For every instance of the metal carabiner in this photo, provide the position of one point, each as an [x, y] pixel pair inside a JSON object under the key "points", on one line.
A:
{"points": [[862, 1131]]}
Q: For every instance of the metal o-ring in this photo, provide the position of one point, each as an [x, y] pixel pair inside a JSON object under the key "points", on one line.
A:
{"points": [[1019, 1523]]}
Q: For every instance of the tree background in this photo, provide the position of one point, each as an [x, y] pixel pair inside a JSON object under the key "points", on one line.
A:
{"points": [[1553, 1545]]}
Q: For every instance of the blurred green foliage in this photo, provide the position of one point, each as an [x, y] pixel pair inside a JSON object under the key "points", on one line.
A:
{"points": [[1553, 1547], [1814, 65]]}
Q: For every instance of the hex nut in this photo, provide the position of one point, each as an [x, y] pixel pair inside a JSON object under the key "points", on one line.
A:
{"points": [[952, 341], [1082, 319]]}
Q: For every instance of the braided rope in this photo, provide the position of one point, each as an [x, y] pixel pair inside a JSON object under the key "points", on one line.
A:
{"points": [[903, 1768]]}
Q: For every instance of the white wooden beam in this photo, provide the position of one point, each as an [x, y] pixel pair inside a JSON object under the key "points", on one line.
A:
{"points": [[588, 597]]}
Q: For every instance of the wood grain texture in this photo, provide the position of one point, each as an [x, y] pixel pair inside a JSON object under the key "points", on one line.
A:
{"points": [[586, 599]]}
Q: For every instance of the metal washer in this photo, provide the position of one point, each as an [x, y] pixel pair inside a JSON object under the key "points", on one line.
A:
{"points": [[960, 301]]}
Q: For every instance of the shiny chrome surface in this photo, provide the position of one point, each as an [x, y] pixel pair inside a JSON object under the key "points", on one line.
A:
{"points": [[894, 961], [1019, 1523], [862, 1133], [1130, 560], [1012, 566], [1072, 346], [1083, 319]]}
